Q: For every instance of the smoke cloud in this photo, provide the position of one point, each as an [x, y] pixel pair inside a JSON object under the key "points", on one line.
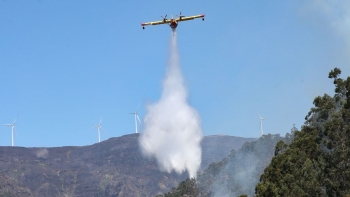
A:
{"points": [[337, 13], [42, 153], [172, 131]]}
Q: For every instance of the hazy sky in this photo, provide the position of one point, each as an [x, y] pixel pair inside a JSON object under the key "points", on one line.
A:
{"points": [[64, 64]]}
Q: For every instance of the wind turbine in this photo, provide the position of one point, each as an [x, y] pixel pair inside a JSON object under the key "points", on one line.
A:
{"points": [[98, 129], [13, 129], [136, 117], [261, 128]]}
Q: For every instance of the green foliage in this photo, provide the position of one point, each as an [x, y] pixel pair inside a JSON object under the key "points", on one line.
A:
{"points": [[317, 162], [187, 188], [240, 171], [237, 174], [312, 162]]}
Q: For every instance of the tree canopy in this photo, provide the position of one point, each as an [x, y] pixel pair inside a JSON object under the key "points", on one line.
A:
{"points": [[317, 162], [314, 161]]}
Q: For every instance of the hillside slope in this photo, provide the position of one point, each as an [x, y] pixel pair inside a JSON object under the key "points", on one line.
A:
{"points": [[236, 174], [114, 167]]}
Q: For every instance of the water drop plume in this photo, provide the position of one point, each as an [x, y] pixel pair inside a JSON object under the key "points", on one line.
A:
{"points": [[172, 131]]}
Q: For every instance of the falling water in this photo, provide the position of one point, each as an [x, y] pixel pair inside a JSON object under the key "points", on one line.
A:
{"points": [[172, 131]]}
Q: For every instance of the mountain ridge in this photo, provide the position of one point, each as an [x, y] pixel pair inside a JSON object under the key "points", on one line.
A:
{"points": [[114, 167]]}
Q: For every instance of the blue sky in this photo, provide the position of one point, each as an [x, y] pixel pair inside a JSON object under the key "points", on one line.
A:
{"points": [[65, 64]]}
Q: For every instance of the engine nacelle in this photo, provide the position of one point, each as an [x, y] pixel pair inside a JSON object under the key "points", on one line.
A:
{"points": [[202, 19]]}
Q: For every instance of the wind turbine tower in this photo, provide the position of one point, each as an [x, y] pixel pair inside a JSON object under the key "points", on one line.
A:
{"points": [[136, 117], [98, 129], [13, 129], [261, 127]]}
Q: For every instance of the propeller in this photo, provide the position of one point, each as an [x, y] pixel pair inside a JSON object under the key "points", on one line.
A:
{"points": [[164, 18], [180, 15]]}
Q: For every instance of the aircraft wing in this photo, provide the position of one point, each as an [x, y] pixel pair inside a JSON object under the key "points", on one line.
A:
{"points": [[186, 18], [155, 23]]}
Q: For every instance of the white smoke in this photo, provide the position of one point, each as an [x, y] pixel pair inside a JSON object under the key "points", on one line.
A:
{"points": [[172, 131], [42, 153], [337, 14]]}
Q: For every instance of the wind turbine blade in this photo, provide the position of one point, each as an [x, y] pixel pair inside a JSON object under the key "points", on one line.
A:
{"points": [[7, 124], [15, 121], [138, 119], [259, 115], [102, 129], [100, 120], [15, 131], [138, 107]]}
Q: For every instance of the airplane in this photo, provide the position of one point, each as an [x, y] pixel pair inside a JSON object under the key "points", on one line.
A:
{"points": [[173, 22]]}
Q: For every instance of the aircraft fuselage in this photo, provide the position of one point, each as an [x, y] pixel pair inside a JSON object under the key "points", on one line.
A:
{"points": [[173, 24]]}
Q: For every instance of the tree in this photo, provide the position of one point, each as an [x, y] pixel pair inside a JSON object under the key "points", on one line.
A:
{"points": [[317, 162], [187, 188]]}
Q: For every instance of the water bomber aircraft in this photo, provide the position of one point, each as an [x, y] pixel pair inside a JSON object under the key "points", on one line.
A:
{"points": [[173, 22]]}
